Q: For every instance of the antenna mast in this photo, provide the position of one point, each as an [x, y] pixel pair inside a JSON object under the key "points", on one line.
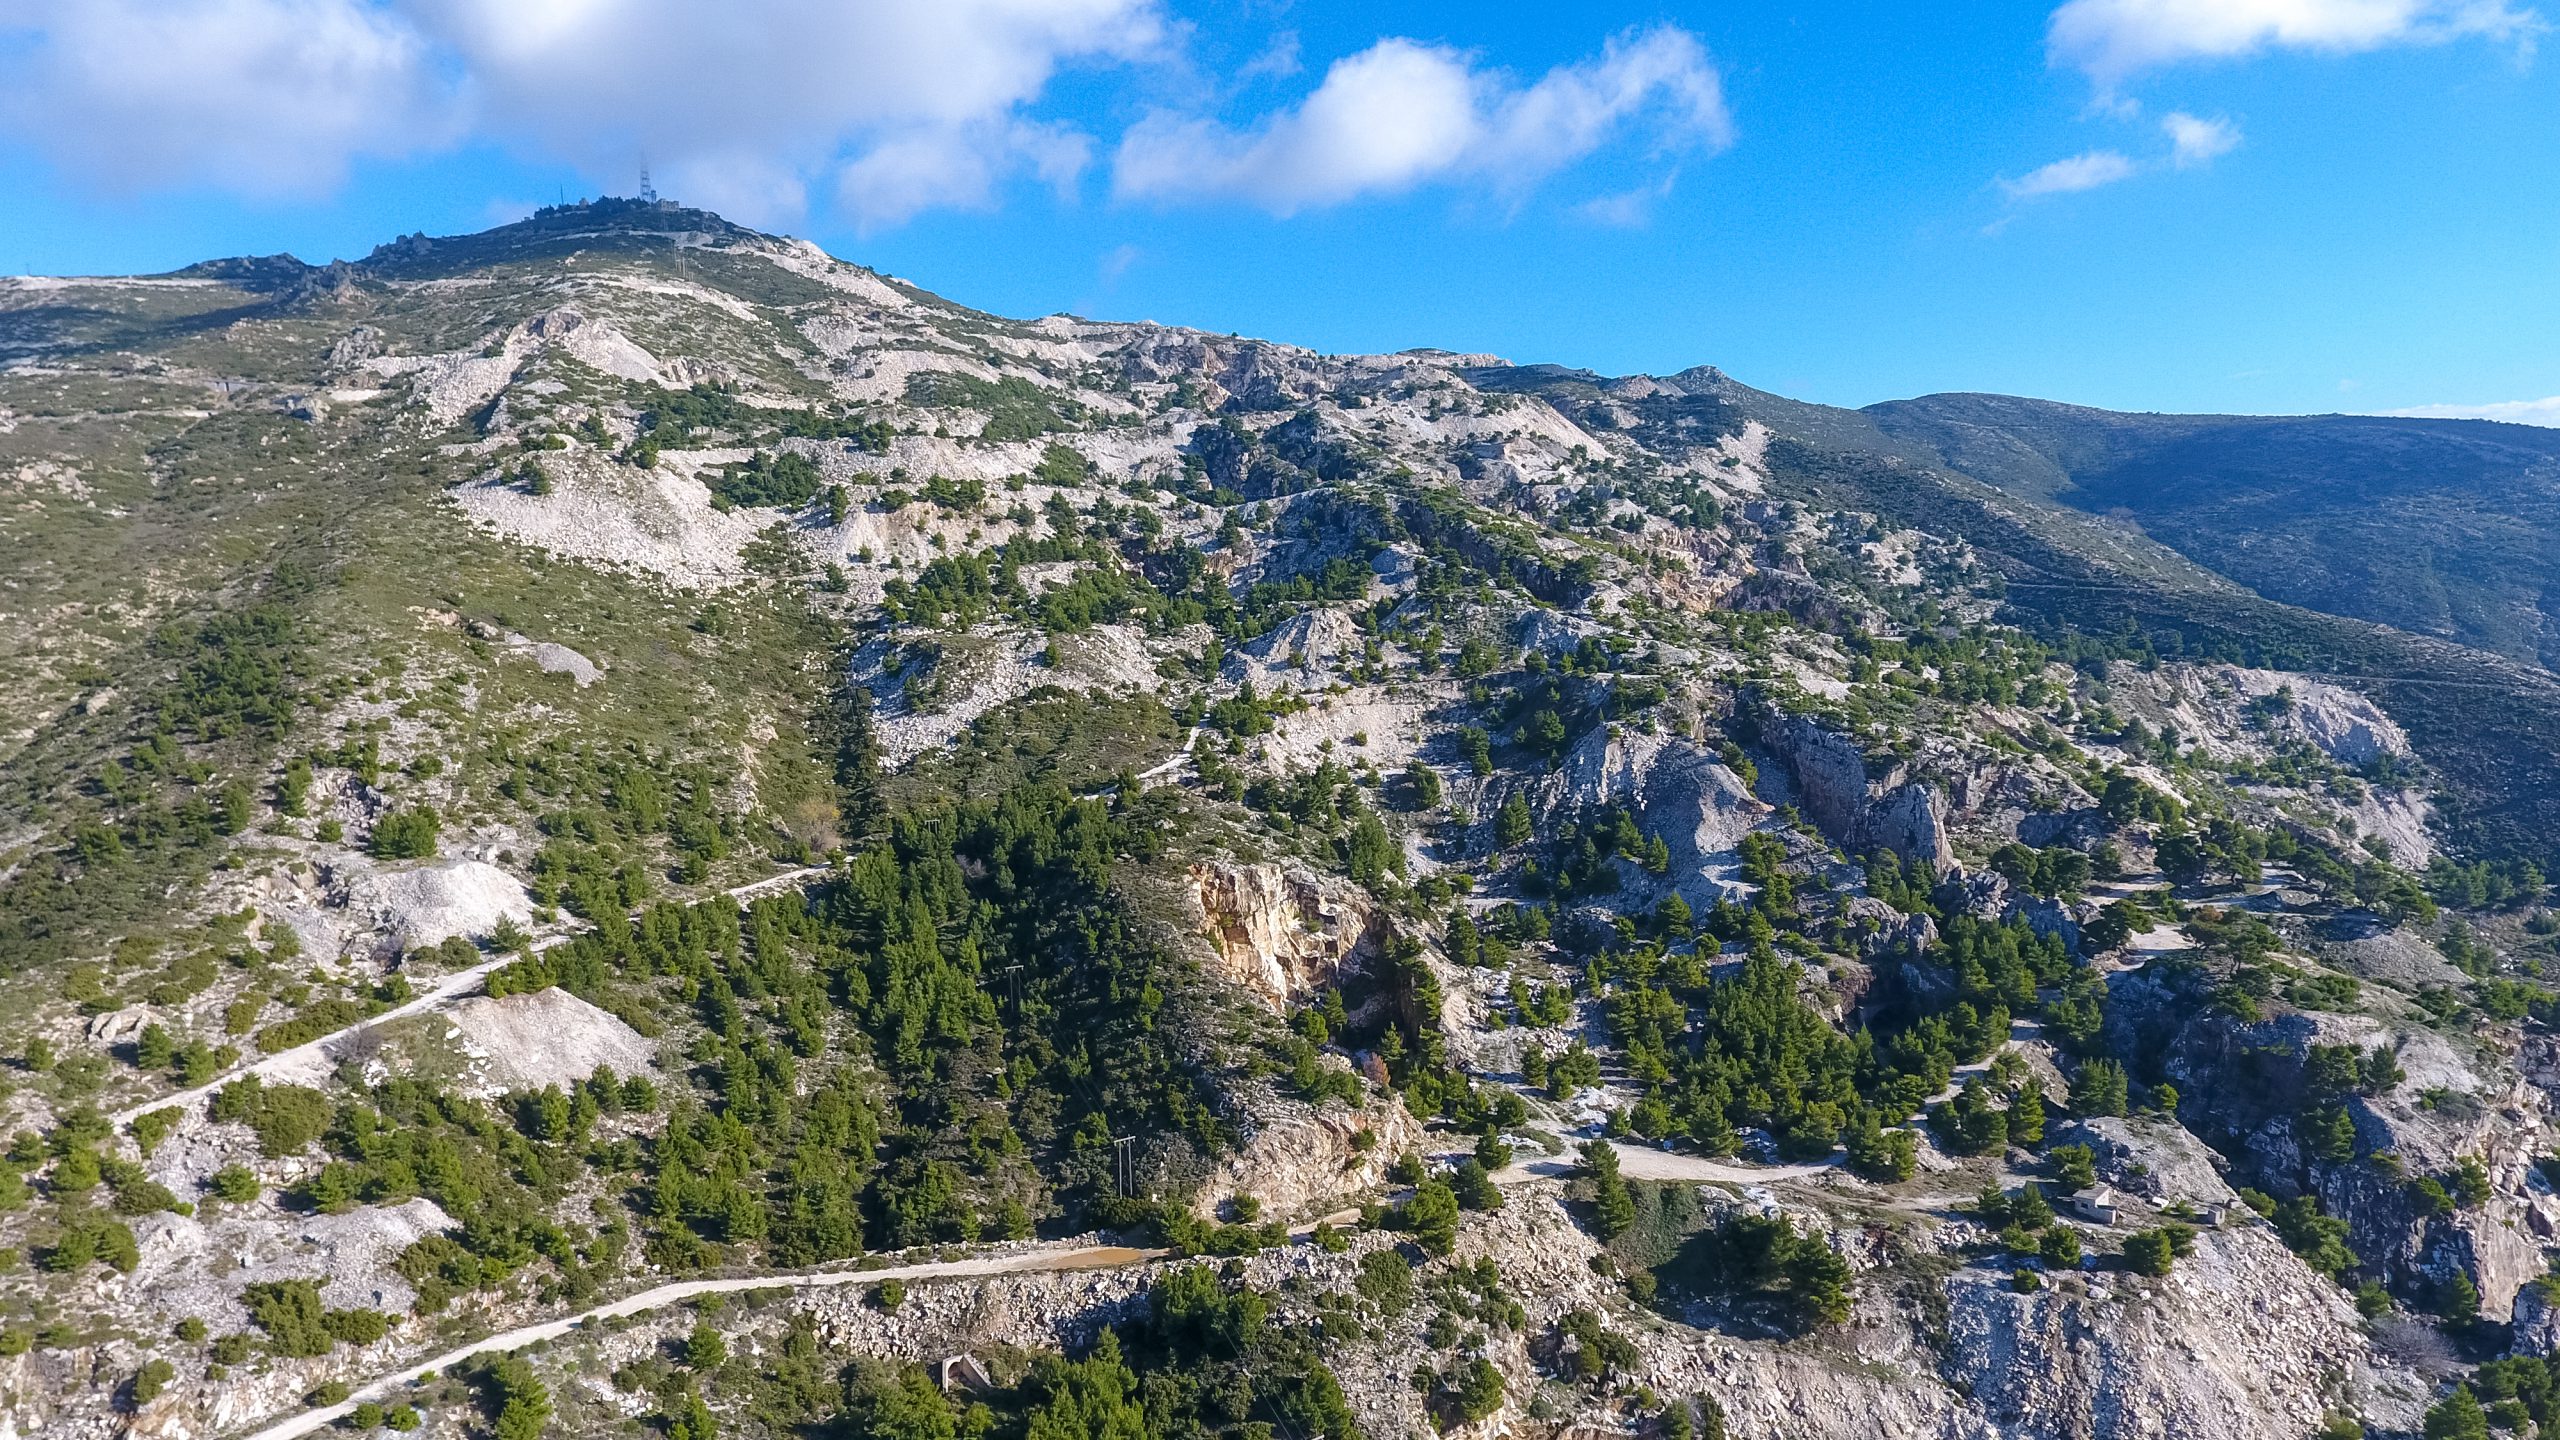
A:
{"points": [[648, 192]]}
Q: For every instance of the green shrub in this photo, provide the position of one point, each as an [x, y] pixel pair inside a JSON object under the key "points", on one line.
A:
{"points": [[151, 1379], [405, 834], [285, 1118]]}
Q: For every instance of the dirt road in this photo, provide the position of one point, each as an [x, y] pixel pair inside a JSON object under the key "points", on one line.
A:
{"points": [[447, 989], [1049, 1259]]}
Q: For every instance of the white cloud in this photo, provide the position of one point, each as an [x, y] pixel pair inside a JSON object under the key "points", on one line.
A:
{"points": [[1279, 59], [2192, 142], [2195, 141], [2514, 412], [2075, 173], [2115, 39], [955, 168], [1627, 209], [1401, 114], [884, 107], [266, 97], [753, 99]]}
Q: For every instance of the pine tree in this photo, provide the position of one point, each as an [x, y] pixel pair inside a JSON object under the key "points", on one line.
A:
{"points": [[2457, 1416], [704, 1349], [1613, 1206], [690, 1419], [1511, 824], [858, 766], [1432, 1216], [2099, 1089], [2026, 1118]]}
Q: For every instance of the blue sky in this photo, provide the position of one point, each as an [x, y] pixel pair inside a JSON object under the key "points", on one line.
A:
{"points": [[2247, 205]]}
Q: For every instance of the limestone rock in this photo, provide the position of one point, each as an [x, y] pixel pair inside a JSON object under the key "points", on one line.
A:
{"points": [[549, 1037], [1282, 933], [1859, 810], [424, 905]]}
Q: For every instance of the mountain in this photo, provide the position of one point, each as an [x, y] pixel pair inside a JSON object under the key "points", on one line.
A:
{"points": [[620, 824], [2448, 528]]}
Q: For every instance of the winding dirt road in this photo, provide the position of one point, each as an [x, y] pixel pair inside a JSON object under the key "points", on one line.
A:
{"points": [[1047, 1259], [448, 989]]}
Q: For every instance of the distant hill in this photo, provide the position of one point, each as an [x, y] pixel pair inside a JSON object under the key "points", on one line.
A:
{"points": [[2442, 527]]}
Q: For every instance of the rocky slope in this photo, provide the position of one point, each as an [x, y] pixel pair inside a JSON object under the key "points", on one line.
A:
{"points": [[897, 781]]}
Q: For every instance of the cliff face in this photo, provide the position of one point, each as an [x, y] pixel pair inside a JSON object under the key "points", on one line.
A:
{"points": [[2237, 1341], [2244, 1088], [1862, 813], [1674, 788], [1282, 934]]}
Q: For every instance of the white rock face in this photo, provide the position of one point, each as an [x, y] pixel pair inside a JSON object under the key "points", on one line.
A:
{"points": [[2238, 1340], [660, 522], [2399, 819], [2212, 702], [432, 903], [1283, 934], [1676, 790], [1860, 811], [1299, 1157], [550, 1037], [454, 384], [556, 659], [1303, 650]]}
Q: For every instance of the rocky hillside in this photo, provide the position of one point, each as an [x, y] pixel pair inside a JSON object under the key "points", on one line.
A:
{"points": [[620, 825]]}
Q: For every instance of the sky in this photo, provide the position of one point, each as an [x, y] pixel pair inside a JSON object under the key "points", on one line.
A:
{"points": [[2194, 205]]}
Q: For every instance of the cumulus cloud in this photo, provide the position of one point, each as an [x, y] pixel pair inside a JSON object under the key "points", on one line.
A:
{"points": [[956, 168], [2075, 173], [755, 99], [2514, 412], [2115, 39], [1402, 113], [2194, 141], [268, 97]]}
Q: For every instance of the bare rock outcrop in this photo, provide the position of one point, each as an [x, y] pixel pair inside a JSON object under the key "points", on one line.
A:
{"points": [[1283, 933], [549, 1037], [1297, 1157], [2537, 1320], [425, 905], [2231, 710], [1861, 810], [1673, 787], [2238, 1341], [2246, 1089]]}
